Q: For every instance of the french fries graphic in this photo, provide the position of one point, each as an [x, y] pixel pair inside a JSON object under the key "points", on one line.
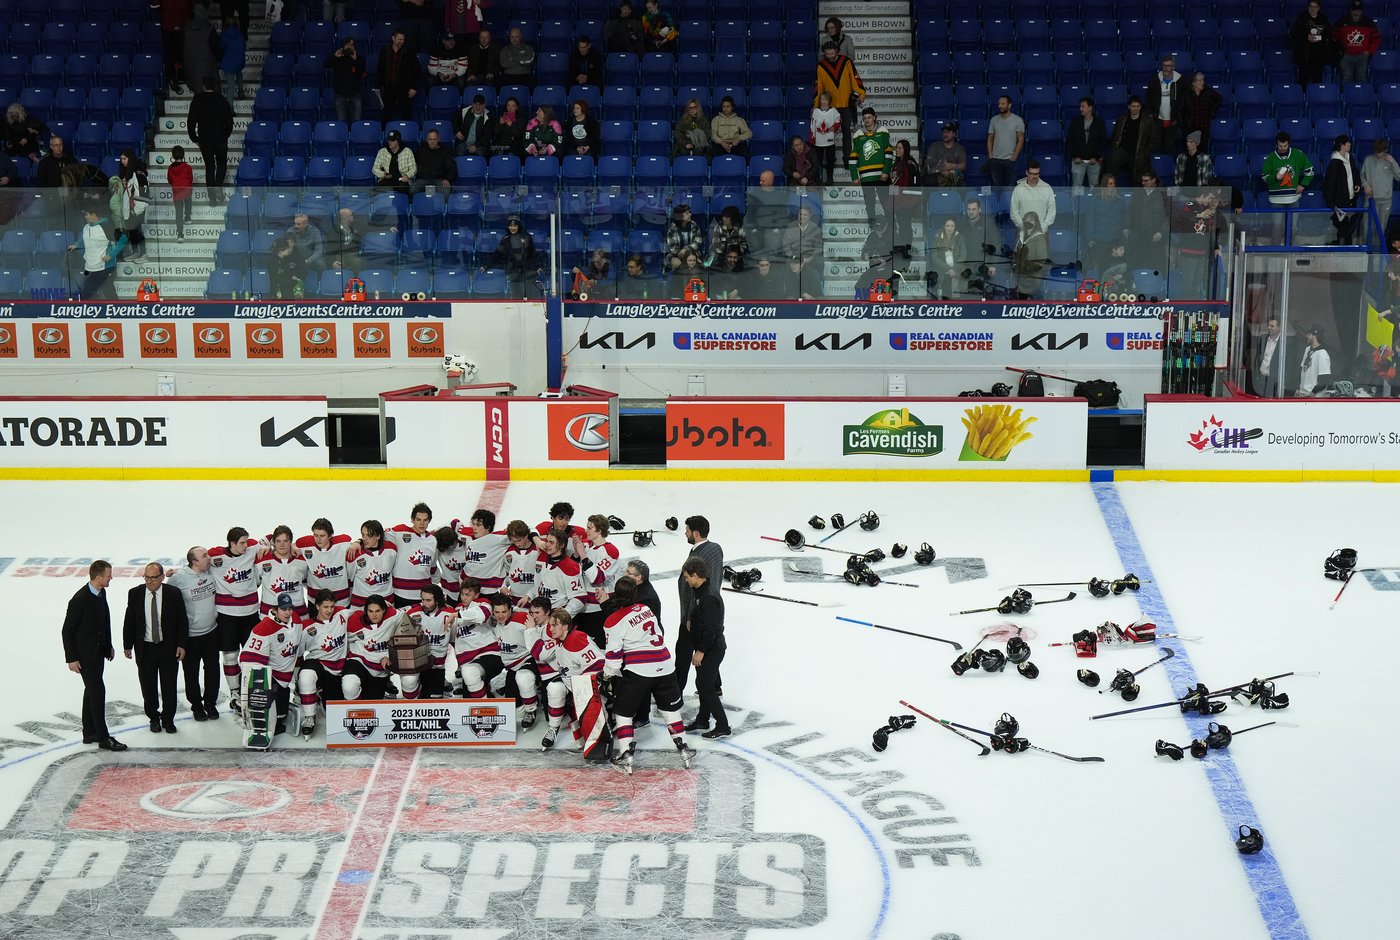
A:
{"points": [[993, 430]]}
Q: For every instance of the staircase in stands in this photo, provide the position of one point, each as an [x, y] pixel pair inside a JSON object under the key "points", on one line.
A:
{"points": [[182, 268], [883, 33]]}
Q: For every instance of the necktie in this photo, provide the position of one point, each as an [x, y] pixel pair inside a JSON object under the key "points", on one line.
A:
{"points": [[155, 620]]}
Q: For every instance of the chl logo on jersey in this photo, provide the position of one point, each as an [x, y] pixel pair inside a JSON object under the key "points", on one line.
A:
{"points": [[325, 572]]}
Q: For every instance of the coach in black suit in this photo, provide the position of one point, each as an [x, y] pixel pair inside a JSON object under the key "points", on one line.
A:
{"points": [[87, 645], [156, 628]]}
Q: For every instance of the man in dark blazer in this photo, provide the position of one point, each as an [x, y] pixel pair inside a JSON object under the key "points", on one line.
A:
{"points": [[87, 645], [156, 629]]}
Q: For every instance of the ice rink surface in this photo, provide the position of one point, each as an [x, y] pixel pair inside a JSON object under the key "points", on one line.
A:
{"points": [[793, 827]]}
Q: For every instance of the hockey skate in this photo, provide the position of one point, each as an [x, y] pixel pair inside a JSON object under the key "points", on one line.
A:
{"points": [[623, 760], [527, 718], [547, 741], [258, 710], [308, 727], [686, 751]]}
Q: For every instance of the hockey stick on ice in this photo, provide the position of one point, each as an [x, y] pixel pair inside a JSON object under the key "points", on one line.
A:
{"points": [[982, 610], [779, 597], [792, 566], [1116, 686], [1033, 747], [923, 636], [1353, 574], [943, 724], [824, 548], [1225, 691], [1158, 636]]}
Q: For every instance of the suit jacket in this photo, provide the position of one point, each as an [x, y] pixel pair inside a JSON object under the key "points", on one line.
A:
{"points": [[174, 621], [87, 627]]}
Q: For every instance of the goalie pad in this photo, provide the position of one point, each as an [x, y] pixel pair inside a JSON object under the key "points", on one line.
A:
{"points": [[594, 729], [258, 705]]}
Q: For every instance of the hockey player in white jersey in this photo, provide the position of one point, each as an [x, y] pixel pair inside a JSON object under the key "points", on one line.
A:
{"points": [[573, 656], [282, 572], [327, 558], [273, 646], [372, 568], [640, 667], [515, 637], [451, 559], [521, 559], [558, 578], [598, 569], [435, 619], [322, 658], [416, 545], [236, 600], [367, 634], [474, 640], [486, 550]]}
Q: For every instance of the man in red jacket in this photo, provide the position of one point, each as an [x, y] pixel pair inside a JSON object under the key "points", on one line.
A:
{"points": [[1357, 37], [181, 176], [174, 14]]}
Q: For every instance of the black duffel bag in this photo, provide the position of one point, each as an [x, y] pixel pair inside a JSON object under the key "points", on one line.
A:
{"points": [[1100, 393]]}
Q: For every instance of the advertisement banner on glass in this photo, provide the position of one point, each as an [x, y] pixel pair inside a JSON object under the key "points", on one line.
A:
{"points": [[1314, 434], [442, 433], [477, 722], [163, 432]]}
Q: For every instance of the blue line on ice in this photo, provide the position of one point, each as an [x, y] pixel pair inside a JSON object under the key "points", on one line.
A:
{"points": [[1271, 892], [865, 830]]}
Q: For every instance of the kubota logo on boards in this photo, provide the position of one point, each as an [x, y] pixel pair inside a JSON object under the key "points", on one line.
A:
{"points": [[588, 431]]}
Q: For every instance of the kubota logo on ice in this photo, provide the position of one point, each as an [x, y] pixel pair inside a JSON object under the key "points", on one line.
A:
{"points": [[1214, 437], [893, 432]]}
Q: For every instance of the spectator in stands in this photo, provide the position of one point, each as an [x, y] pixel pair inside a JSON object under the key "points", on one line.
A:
{"points": [[1031, 259], [726, 234], [596, 270], [803, 282], [1116, 278], [201, 48], [508, 136], [767, 218], [463, 17], [802, 240], [333, 11], [24, 133], [416, 20], [1194, 167], [473, 129], [870, 162], [1134, 141], [833, 30], [800, 164], [1199, 104], [1149, 220], [623, 32], [347, 235], [1357, 39], [397, 79], [394, 166], [233, 57], [1032, 194], [727, 275], [1198, 225], [210, 125], [692, 138], [982, 236], [435, 164], [825, 123], [347, 81], [1316, 365], [905, 206], [483, 60], [174, 14], [636, 283], [181, 179], [1378, 175], [543, 135], [1105, 221], [683, 236], [1085, 143], [658, 28], [1287, 172], [518, 60], [1164, 94], [447, 63], [729, 133], [238, 11], [945, 164], [766, 280], [581, 134], [837, 77], [49, 172], [585, 63], [689, 269], [516, 254], [946, 259], [1312, 46], [1341, 185], [136, 197], [286, 272], [1006, 137], [101, 245], [310, 243]]}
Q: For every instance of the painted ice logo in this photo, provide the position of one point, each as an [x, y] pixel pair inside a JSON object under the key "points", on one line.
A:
{"points": [[425, 334], [211, 335], [483, 720], [361, 722], [210, 800], [588, 431], [893, 433], [1215, 438]]}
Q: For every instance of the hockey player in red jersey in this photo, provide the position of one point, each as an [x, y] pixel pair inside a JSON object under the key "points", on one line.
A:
{"points": [[522, 558], [235, 598], [372, 565], [275, 644], [322, 657], [417, 551], [327, 558], [283, 571], [598, 569], [515, 637], [558, 577], [578, 664], [640, 667]]}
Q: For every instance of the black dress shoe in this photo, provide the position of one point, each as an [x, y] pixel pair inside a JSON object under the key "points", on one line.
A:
{"points": [[198, 713], [697, 725], [211, 713], [155, 725], [111, 744], [716, 733], [169, 727], [87, 739]]}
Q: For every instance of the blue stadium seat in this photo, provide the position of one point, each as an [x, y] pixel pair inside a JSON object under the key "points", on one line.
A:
{"points": [[253, 171], [452, 284], [329, 139], [658, 68], [269, 104], [92, 135], [408, 130], [615, 171], [278, 70], [70, 104], [37, 100], [294, 139], [417, 247], [366, 137], [378, 282], [224, 284], [380, 248], [541, 174], [304, 103], [279, 206], [471, 171], [619, 103], [654, 103], [260, 139], [463, 210], [233, 249], [80, 70], [615, 137], [590, 95], [288, 171], [489, 283], [689, 171], [325, 171], [503, 170], [91, 37], [456, 246], [621, 68], [137, 105]]}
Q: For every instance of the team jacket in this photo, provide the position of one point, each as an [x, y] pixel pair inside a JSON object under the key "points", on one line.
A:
{"points": [[326, 570], [282, 576], [577, 655], [413, 565], [275, 645], [236, 587], [373, 572], [599, 572], [367, 644], [561, 582], [474, 636], [840, 79], [324, 641], [437, 630], [635, 643]]}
